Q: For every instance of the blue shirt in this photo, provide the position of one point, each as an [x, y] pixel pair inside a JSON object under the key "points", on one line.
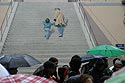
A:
{"points": [[47, 25]]}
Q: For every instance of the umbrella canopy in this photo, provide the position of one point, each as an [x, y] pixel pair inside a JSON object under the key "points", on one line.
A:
{"points": [[106, 50], [38, 71], [117, 77], [18, 60], [3, 72], [25, 78], [88, 57]]}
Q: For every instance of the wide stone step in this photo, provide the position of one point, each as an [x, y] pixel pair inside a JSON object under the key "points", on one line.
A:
{"points": [[41, 51], [46, 43], [46, 49], [58, 55]]}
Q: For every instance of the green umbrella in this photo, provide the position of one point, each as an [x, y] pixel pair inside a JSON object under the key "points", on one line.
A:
{"points": [[107, 50], [117, 77]]}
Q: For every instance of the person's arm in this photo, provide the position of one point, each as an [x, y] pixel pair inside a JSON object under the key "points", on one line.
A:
{"points": [[43, 22], [52, 23]]}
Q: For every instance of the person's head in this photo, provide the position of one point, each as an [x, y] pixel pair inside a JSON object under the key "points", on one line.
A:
{"points": [[91, 62], [75, 63], [115, 60], [57, 8], [49, 69], [118, 65], [12, 70], [54, 60], [85, 78], [100, 64], [47, 20], [76, 56]]}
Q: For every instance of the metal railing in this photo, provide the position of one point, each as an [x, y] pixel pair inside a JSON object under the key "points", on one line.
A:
{"points": [[6, 18], [87, 24]]}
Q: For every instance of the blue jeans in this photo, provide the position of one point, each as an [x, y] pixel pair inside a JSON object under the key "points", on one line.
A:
{"points": [[47, 33], [60, 29]]}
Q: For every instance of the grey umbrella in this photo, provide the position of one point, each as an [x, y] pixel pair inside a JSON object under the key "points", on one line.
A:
{"points": [[88, 57], [18, 60]]}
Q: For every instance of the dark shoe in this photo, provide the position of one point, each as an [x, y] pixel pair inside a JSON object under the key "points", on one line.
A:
{"points": [[61, 36]]}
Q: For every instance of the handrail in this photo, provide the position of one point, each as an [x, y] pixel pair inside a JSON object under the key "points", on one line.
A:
{"points": [[6, 18], [86, 21]]}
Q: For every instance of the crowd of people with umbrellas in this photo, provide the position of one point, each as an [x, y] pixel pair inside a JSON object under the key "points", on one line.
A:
{"points": [[90, 68]]}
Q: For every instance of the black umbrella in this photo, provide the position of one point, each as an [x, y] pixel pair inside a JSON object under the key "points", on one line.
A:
{"points": [[18, 60], [39, 71], [88, 57]]}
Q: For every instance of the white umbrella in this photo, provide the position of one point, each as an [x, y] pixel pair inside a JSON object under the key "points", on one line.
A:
{"points": [[117, 77], [3, 72]]}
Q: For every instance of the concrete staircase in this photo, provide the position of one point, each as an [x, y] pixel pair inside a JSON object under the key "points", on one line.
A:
{"points": [[26, 34]]}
